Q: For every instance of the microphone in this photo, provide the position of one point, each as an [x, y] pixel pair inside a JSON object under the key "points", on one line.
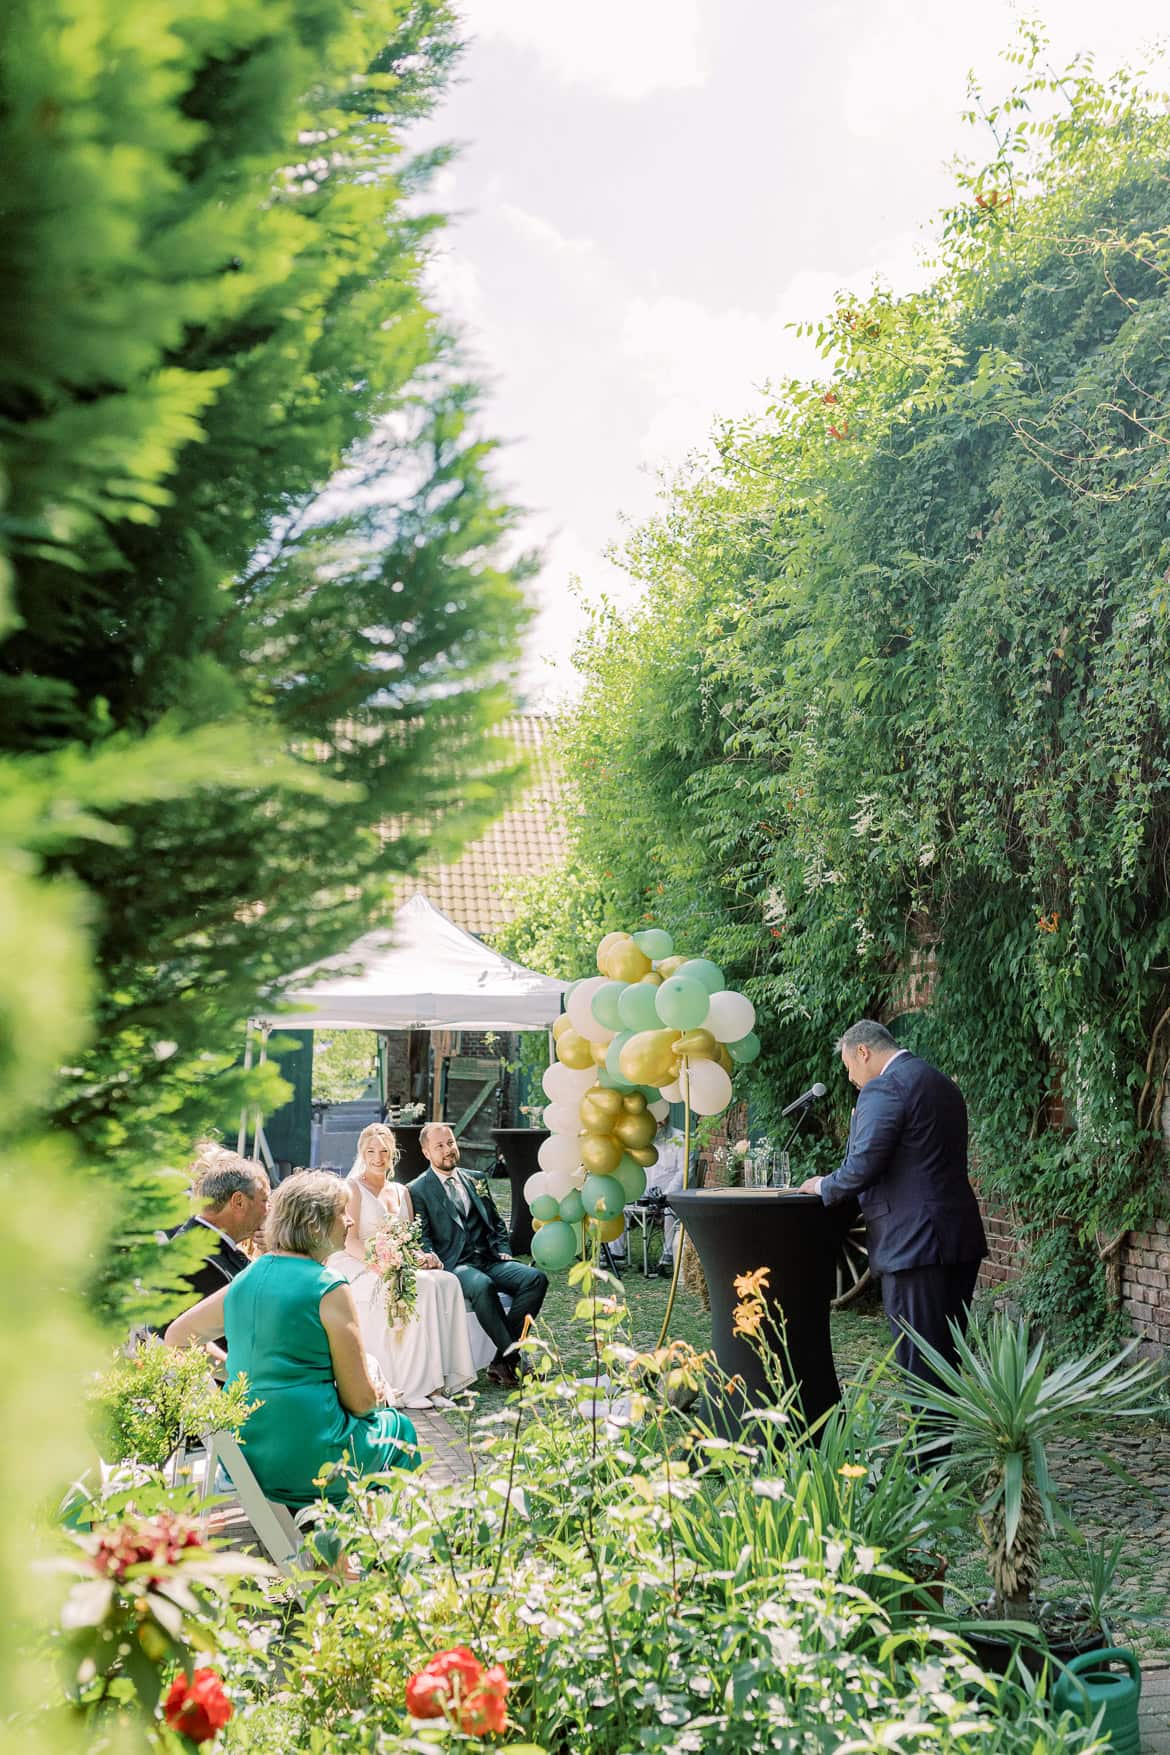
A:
{"points": [[803, 1101]]}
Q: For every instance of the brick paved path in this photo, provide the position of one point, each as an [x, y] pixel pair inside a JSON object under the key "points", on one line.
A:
{"points": [[1154, 1711], [445, 1455]]}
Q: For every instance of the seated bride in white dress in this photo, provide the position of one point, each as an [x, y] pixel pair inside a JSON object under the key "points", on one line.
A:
{"points": [[428, 1359]]}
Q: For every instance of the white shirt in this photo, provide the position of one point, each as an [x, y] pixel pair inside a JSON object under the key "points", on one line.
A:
{"points": [[893, 1058]]}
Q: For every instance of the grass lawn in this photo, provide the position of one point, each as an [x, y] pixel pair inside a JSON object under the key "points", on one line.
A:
{"points": [[1101, 1504]]}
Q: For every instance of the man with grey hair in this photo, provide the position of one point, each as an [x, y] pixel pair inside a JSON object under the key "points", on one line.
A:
{"points": [[231, 1194], [906, 1163]]}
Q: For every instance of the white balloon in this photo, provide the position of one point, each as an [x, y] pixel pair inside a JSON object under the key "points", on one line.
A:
{"points": [[558, 1183], [560, 1151], [562, 1118], [563, 1084], [535, 1185], [660, 1110], [673, 1093], [707, 1087], [730, 1016], [580, 1010]]}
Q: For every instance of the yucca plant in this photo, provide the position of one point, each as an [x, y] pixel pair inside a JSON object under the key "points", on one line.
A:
{"points": [[1000, 1407]]}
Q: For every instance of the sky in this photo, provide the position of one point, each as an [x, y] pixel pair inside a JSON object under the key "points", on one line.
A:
{"points": [[648, 193]]}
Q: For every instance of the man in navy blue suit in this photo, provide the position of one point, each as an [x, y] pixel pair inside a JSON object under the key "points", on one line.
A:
{"points": [[907, 1165]]}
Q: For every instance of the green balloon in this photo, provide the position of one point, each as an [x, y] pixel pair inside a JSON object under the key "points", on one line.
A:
{"points": [[636, 1007], [545, 1206], [654, 943], [605, 1004], [554, 1246], [603, 1197], [651, 1092], [682, 1004], [632, 1177], [613, 1054], [614, 1081], [572, 1207], [745, 1050], [706, 973]]}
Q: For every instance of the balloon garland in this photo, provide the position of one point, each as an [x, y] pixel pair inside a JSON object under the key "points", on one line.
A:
{"points": [[651, 1028]]}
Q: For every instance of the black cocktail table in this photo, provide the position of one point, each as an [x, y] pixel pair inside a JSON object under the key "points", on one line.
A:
{"points": [[794, 1236], [518, 1147]]}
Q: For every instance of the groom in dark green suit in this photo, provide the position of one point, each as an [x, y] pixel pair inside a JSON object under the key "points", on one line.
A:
{"points": [[461, 1225]]}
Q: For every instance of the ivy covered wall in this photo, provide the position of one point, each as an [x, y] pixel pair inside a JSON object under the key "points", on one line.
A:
{"points": [[898, 679]]}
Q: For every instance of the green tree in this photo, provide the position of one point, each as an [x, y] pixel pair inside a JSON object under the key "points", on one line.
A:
{"points": [[248, 515]]}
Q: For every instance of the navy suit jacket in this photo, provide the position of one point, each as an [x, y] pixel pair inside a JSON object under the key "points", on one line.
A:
{"points": [[443, 1231], [907, 1166]]}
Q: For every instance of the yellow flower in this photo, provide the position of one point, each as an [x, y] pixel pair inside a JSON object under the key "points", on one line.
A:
{"points": [[853, 1471], [751, 1285], [748, 1318]]}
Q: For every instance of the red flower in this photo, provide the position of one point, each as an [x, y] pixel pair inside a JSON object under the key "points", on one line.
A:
{"points": [[455, 1686], [197, 1707], [139, 1540], [841, 432], [830, 396], [484, 1710]]}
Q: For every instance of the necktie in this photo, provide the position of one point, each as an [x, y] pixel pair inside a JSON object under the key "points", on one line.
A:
{"points": [[456, 1194]]}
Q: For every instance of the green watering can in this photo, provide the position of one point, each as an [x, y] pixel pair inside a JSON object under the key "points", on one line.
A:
{"points": [[1087, 1685]]}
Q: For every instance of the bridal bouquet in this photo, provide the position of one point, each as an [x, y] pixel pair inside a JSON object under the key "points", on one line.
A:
{"points": [[393, 1252]]}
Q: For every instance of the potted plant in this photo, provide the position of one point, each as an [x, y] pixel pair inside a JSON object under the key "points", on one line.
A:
{"points": [[998, 1408]]}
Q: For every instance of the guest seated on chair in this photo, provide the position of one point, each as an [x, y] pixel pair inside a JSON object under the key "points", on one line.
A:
{"points": [[231, 1194], [292, 1331], [461, 1225]]}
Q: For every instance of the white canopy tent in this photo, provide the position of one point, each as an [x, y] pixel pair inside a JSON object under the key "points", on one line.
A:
{"points": [[422, 973]]}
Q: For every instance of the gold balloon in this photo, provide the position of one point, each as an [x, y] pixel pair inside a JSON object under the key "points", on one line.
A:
{"points": [[724, 1059], [598, 1052], [697, 1044], [654, 979], [601, 1153], [627, 963], [647, 1056], [599, 1109], [613, 941], [644, 1155], [593, 1119], [634, 1104], [563, 1023], [573, 1051], [609, 1230], [670, 966], [538, 1224], [635, 1130]]}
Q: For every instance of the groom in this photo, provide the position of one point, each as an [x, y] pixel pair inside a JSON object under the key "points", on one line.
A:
{"points": [[460, 1223]]}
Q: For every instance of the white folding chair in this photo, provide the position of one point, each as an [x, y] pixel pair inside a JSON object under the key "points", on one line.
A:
{"points": [[273, 1523]]}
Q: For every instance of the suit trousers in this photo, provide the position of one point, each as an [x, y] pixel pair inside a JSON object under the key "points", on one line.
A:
{"points": [[482, 1283], [927, 1300]]}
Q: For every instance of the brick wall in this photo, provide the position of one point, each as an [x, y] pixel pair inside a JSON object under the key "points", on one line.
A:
{"points": [[1145, 1282], [1143, 1269]]}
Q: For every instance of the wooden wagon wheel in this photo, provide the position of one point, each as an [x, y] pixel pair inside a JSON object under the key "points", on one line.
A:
{"points": [[852, 1267]]}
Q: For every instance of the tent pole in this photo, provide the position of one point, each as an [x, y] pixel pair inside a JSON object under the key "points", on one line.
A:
{"points": [[258, 1129], [242, 1136]]}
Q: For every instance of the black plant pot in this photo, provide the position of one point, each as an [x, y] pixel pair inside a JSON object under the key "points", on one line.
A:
{"points": [[518, 1147], [995, 1652]]}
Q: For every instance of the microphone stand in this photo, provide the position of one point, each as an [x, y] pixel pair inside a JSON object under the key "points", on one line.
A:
{"points": [[796, 1126]]}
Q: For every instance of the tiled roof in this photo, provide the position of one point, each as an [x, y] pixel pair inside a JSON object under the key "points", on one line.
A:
{"points": [[530, 837]]}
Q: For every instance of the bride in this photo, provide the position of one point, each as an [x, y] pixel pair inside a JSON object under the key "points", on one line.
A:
{"points": [[427, 1359]]}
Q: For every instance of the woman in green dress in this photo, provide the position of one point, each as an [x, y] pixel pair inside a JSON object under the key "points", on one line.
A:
{"points": [[292, 1331]]}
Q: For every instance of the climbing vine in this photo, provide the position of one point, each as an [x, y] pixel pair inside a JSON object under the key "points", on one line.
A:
{"points": [[890, 723]]}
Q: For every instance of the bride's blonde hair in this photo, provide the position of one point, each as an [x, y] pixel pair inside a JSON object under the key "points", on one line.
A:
{"points": [[377, 1130]]}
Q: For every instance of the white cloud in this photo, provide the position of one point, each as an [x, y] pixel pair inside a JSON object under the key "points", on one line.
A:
{"points": [[623, 48]]}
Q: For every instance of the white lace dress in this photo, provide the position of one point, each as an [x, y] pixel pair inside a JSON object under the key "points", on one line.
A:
{"points": [[431, 1354]]}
